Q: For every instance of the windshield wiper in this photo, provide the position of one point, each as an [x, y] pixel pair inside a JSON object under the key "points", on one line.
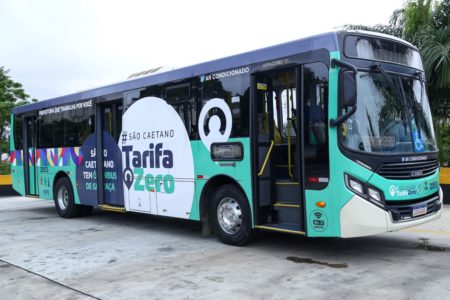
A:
{"points": [[401, 101], [403, 106], [417, 115]]}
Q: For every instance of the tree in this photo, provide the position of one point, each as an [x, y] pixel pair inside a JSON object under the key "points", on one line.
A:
{"points": [[11, 94], [441, 16], [413, 18], [433, 40]]}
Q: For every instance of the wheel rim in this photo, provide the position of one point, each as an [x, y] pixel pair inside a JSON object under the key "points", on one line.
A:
{"points": [[63, 197], [229, 215]]}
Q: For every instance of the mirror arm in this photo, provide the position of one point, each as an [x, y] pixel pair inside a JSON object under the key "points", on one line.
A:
{"points": [[335, 62], [341, 119]]}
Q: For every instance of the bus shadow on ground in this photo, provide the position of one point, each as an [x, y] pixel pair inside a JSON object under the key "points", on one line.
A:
{"points": [[331, 252], [341, 253]]}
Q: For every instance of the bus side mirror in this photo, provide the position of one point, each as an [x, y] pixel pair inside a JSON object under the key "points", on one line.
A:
{"points": [[348, 95], [349, 89]]}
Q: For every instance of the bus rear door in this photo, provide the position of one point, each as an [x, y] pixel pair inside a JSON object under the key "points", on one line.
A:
{"points": [[29, 159], [107, 130]]}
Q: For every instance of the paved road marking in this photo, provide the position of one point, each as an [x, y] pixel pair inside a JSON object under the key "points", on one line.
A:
{"points": [[49, 279]]}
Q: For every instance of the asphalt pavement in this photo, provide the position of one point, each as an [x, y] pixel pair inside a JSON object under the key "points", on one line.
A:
{"points": [[133, 256]]}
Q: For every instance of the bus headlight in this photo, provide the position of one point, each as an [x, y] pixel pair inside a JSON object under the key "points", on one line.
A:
{"points": [[374, 194], [364, 190], [356, 186]]}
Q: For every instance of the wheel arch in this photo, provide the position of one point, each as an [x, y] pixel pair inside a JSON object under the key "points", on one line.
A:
{"points": [[59, 175], [208, 190]]}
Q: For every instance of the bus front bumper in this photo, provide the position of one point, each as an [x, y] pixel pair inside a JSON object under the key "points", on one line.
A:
{"points": [[359, 218]]}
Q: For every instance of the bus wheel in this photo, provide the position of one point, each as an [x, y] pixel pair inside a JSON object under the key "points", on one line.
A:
{"points": [[64, 200], [231, 216]]}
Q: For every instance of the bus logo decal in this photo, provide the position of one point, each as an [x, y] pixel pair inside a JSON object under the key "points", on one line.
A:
{"points": [[128, 177], [392, 190], [214, 122], [319, 220]]}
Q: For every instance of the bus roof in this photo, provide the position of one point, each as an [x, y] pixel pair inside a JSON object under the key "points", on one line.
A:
{"points": [[327, 41]]}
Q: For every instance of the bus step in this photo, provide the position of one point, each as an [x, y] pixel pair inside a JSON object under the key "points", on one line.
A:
{"points": [[282, 227], [288, 191], [107, 207], [286, 213], [286, 182], [285, 204]]}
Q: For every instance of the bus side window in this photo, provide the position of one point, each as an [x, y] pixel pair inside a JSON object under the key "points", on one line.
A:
{"points": [[236, 93], [183, 98], [77, 126], [316, 125], [65, 129]]}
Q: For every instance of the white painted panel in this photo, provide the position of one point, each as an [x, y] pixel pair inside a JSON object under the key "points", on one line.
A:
{"points": [[138, 200], [361, 218], [176, 205]]}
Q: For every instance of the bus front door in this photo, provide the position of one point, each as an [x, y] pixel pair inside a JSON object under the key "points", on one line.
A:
{"points": [[108, 128], [29, 153], [279, 186]]}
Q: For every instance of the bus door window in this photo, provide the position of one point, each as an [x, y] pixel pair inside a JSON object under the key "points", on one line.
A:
{"points": [[112, 119], [289, 106], [266, 115], [18, 132], [276, 105], [264, 88], [315, 104], [31, 139], [108, 119], [284, 112]]}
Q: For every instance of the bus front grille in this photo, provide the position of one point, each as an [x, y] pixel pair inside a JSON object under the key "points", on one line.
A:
{"points": [[403, 210], [408, 170]]}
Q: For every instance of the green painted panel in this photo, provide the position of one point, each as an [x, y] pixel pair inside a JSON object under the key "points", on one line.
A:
{"points": [[46, 178], [205, 166], [325, 222], [18, 179], [398, 190]]}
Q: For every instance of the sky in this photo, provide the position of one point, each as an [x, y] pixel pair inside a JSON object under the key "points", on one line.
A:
{"points": [[56, 47]]}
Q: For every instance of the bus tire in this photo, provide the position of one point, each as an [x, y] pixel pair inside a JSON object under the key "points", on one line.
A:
{"points": [[231, 216], [64, 199]]}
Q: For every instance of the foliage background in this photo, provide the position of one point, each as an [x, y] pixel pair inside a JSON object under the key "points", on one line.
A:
{"points": [[11, 94]]}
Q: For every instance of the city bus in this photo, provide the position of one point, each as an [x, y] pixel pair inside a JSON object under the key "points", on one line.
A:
{"points": [[325, 136]]}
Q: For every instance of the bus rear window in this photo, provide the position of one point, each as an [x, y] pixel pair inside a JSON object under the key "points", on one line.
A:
{"points": [[382, 50]]}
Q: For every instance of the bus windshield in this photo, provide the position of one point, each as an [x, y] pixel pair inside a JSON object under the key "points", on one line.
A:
{"points": [[385, 124]]}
